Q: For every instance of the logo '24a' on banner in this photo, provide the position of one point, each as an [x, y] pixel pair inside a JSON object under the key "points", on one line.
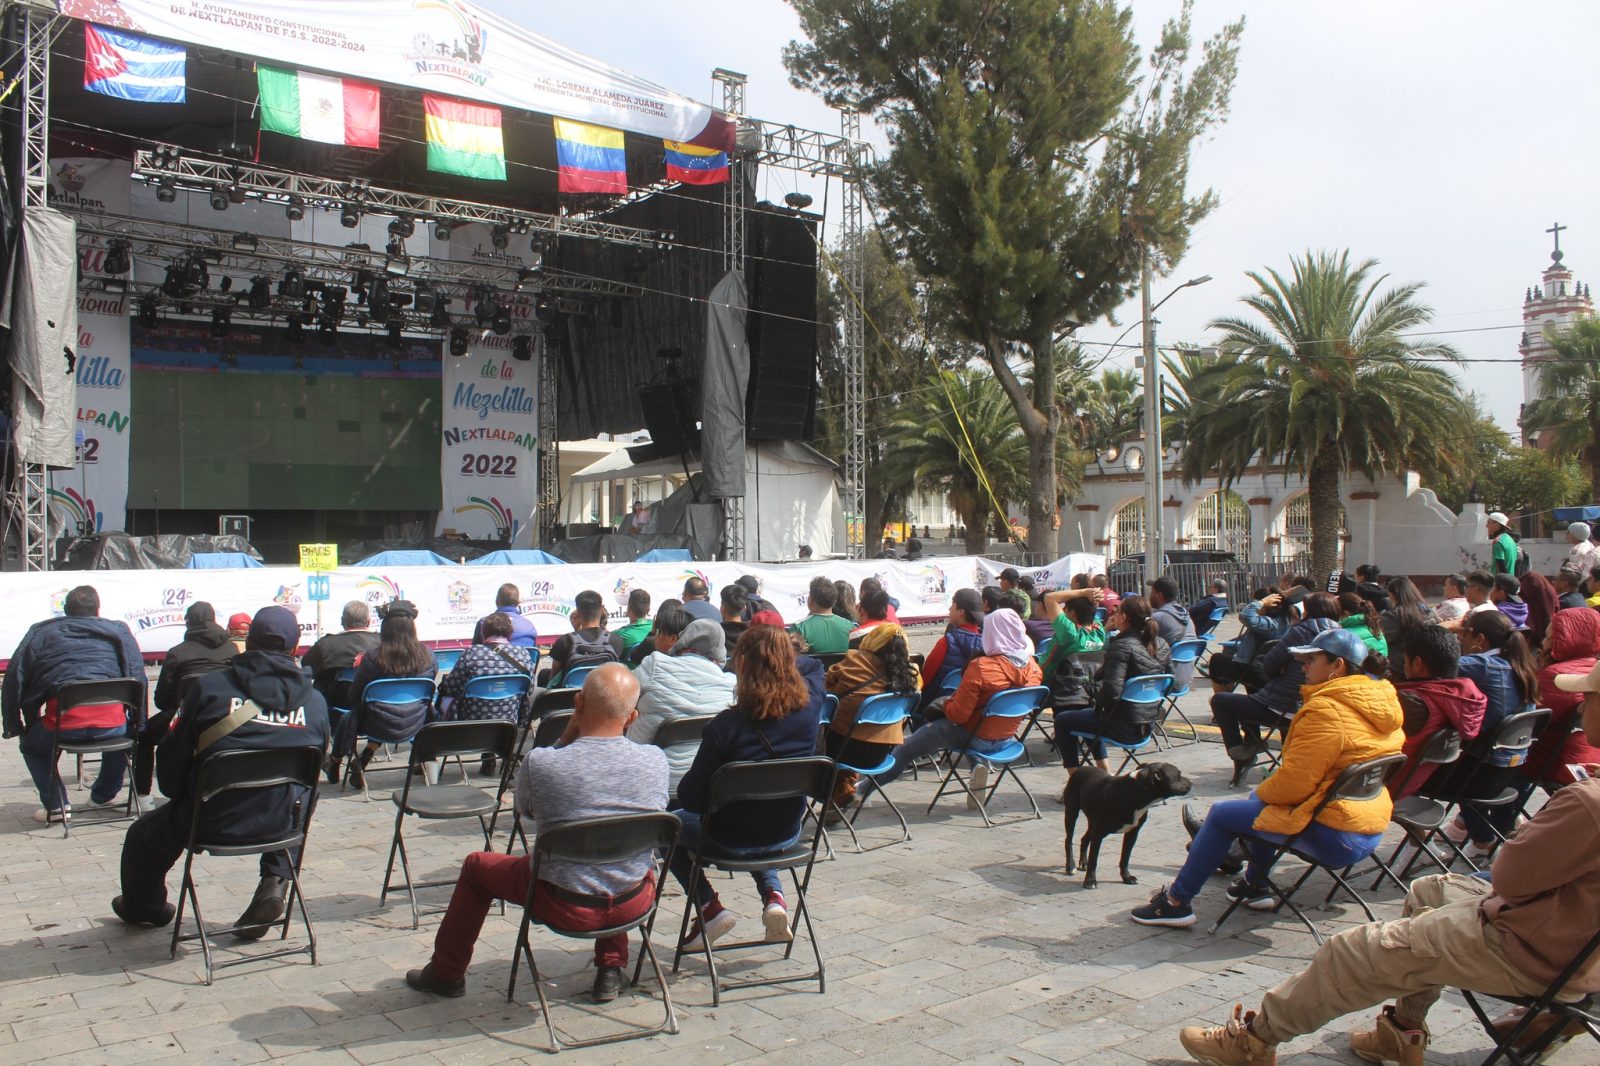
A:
{"points": [[489, 446]]}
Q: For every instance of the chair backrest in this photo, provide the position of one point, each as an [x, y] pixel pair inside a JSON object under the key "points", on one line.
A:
{"points": [[682, 731], [442, 739], [1146, 688], [1363, 781], [830, 705], [770, 779], [553, 699], [239, 769], [1044, 647], [446, 660], [951, 682], [1442, 746], [1187, 651], [599, 841], [1516, 731], [1218, 614], [886, 708], [128, 691], [1016, 702], [550, 728], [399, 690], [575, 676], [497, 687]]}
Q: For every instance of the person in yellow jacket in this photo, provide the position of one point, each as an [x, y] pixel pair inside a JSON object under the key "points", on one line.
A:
{"points": [[1348, 714]]}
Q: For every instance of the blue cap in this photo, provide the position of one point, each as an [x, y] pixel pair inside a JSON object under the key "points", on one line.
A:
{"points": [[1339, 643]]}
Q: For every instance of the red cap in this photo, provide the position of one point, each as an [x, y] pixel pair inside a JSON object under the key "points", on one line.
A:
{"points": [[767, 618], [239, 623]]}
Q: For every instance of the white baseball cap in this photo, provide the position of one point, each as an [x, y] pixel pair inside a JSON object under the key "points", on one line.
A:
{"points": [[1589, 682], [1500, 517]]}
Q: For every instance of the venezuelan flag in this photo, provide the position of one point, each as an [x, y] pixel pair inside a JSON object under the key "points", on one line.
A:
{"points": [[692, 164], [592, 158], [464, 138]]}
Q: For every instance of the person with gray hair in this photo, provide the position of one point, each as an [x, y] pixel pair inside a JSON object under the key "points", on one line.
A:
{"points": [[1201, 610], [1584, 553], [339, 651], [684, 680]]}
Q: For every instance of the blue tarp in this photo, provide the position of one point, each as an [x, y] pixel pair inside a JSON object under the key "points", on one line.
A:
{"points": [[406, 558], [665, 555], [516, 557], [222, 561], [1588, 513]]}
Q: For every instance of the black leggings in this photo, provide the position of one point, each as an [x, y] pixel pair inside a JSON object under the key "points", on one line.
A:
{"points": [[1239, 715]]}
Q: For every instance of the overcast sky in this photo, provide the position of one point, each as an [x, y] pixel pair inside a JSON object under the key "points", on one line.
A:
{"points": [[1440, 138]]}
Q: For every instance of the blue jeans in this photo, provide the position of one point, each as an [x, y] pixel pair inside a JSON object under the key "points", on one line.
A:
{"points": [[1078, 720], [39, 741], [1331, 847], [941, 735], [689, 841]]}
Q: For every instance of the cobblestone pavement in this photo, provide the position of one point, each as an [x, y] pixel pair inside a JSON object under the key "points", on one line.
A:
{"points": [[964, 944]]}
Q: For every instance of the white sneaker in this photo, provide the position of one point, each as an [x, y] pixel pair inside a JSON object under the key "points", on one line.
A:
{"points": [[1457, 830], [979, 782], [775, 919], [717, 927], [47, 816]]}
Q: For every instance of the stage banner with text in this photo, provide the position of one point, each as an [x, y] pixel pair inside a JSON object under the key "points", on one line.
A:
{"points": [[489, 446], [93, 496]]}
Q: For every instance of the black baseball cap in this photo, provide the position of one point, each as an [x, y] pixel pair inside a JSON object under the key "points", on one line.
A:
{"points": [[273, 629], [398, 609], [1009, 574]]}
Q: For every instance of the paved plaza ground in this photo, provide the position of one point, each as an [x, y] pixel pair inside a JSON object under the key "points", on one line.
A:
{"points": [[965, 944]]}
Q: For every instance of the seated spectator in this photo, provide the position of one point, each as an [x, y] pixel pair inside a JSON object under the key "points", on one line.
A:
{"points": [[753, 599], [669, 607], [290, 714], [1591, 587], [871, 586], [1507, 599], [962, 642], [880, 663], [1030, 606], [1289, 581], [1454, 605], [79, 646], [1361, 618], [508, 601], [993, 598], [1370, 583], [1569, 588], [1108, 595], [1079, 581], [845, 605], [1350, 715], [593, 772], [1511, 935], [238, 630], [495, 654], [875, 611], [588, 644], [822, 632], [1406, 613], [804, 554], [1433, 697], [697, 600], [624, 640], [1540, 596], [1240, 716], [684, 679], [1073, 631], [1201, 610], [1136, 648], [735, 609], [1583, 553], [1008, 579], [776, 715], [1479, 584], [1006, 662], [205, 647], [1570, 647], [914, 549], [340, 651], [399, 654], [1173, 622], [1264, 620]]}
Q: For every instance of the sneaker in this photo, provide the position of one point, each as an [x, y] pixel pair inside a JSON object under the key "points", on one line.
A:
{"points": [[100, 805], [979, 782], [718, 925], [423, 980], [1457, 830], [1256, 897], [154, 919], [775, 919], [1229, 1045], [608, 984], [266, 907], [1162, 911], [1388, 1042], [46, 816], [1246, 752]]}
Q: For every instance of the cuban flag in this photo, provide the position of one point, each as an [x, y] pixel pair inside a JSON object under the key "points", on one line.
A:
{"points": [[131, 67]]}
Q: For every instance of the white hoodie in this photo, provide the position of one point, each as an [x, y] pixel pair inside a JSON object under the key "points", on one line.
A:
{"points": [[673, 687]]}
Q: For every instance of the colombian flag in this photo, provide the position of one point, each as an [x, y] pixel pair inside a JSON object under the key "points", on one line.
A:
{"points": [[464, 138], [692, 164], [592, 158]]}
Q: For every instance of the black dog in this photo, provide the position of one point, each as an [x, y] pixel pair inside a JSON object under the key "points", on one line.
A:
{"points": [[1115, 805]]}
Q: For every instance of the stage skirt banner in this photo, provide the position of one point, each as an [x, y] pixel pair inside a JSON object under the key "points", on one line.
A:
{"points": [[93, 496], [451, 599], [443, 46], [489, 445]]}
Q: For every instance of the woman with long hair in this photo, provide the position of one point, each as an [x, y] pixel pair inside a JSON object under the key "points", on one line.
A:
{"points": [[1543, 603], [1407, 613], [845, 606], [1135, 649], [880, 663], [1358, 615], [399, 654], [776, 713]]}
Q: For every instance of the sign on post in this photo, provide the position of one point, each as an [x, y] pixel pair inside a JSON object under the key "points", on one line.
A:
{"points": [[319, 556], [319, 588]]}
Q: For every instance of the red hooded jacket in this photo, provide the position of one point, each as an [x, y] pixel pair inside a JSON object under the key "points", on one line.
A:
{"points": [[1453, 703], [1574, 643]]}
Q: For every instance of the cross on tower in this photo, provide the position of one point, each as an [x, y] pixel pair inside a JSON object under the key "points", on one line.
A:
{"points": [[1556, 229]]}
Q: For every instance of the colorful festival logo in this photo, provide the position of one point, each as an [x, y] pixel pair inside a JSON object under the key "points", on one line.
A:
{"points": [[289, 596], [71, 510], [620, 590], [506, 526], [452, 44], [379, 589], [58, 602], [459, 597], [933, 583]]}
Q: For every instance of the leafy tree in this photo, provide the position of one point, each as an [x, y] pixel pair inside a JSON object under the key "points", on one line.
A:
{"points": [[1098, 412], [1329, 382], [1482, 444], [1031, 166], [1568, 412], [1532, 481]]}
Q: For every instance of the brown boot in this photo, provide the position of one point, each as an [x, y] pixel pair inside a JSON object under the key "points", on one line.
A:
{"points": [[1389, 1041], [1541, 1025], [1229, 1045]]}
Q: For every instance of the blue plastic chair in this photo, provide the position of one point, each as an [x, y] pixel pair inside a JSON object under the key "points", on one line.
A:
{"points": [[1101, 614], [446, 660], [341, 677], [1185, 651], [886, 708], [575, 677], [1146, 690], [1008, 703], [393, 691], [1044, 648]]}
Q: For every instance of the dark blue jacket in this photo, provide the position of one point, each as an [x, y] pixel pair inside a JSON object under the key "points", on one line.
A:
{"points": [[731, 737], [293, 715], [523, 635], [1259, 629], [961, 646], [60, 650], [385, 721], [1283, 671]]}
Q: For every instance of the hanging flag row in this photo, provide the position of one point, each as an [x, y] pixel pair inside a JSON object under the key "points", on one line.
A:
{"points": [[463, 138]]}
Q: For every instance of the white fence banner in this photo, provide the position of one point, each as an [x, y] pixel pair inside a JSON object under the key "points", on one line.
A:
{"points": [[489, 444]]}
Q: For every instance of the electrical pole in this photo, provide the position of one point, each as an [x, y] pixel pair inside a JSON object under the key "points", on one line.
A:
{"points": [[1152, 428]]}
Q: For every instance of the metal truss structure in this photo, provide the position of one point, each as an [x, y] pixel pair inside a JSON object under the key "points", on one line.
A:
{"points": [[734, 237]]}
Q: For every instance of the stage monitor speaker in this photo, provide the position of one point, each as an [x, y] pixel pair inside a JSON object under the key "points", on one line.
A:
{"points": [[233, 525], [782, 399], [670, 416]]}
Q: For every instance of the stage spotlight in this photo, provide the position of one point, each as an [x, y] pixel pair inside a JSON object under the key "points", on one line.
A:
{"points": [[246, 241], [458, 342], [500, 236], [309, 305], [799, 201], [165, 157], [441, 313], [221, 322], [219, 199], [377, 292], [520, 227], [226, 284], [328, 330], [402, 227], [502, 322], [166, 191], [260, 292], [295, 209], [483, 305], [522, 348], [423, 297], [395, 326], [293, 284], [441, 231], [148, 316], [236, 194], [350, 215], [117, 259]]}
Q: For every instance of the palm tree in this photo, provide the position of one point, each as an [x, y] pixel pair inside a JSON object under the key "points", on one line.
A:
{"points": [[1568, 410], [926, 443], [1330, 383]]}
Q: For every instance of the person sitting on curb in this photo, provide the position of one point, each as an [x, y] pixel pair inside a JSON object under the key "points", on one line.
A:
{"points": [[594, 771], [1511, 935]]}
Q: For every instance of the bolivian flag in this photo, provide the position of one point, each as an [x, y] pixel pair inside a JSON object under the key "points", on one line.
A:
{"points": [[464, 138], [592, 158], [692, 164]]}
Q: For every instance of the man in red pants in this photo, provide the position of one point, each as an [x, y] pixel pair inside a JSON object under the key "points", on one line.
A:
{"points": [[594, 772]]}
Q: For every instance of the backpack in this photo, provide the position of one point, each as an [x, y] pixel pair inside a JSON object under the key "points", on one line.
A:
{"points": [[1520, 568], [587, 652]]}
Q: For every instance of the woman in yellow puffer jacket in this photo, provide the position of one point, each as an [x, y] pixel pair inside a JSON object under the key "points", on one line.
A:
{"points": [[1348, 714]]}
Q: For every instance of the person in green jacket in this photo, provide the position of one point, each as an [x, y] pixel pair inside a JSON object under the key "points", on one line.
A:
{"points": [[1359, 616], [1502, 543], [639, 624]]}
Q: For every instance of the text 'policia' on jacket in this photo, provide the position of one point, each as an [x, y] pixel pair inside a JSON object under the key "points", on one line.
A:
{"points": [[292, 715]]}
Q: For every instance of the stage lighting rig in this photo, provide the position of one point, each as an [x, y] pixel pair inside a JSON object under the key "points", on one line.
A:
{"points": [[246, 241], [219, 199], [166, 191], [221, 322], [441, 313], [458, 342], [295, 209], [328, 331], [502, 322], [260, 292], [402, 227], [350, 215], [293, 284], [117, 260], [522, 348], [441, 231], [500, 237], [148, 316]]}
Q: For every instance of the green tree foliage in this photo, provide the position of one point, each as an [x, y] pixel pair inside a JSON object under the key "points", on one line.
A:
{"points": [[1329, 379], [1098, 412], [1481, 445], [1567, 417], [1531, 481], [1031, 163]]}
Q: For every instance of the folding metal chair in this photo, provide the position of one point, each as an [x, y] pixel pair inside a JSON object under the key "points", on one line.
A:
{"points": [[445, 659], [1585, 1012], [682, 731], [767, 781], [343, 679], [128, 691], [547, 732], [592, 842], [1357, 783], [885, 708], [1008, 703], [436, 741], [1146, 690], [575, 676], [390, 691], [1183, 652], [1418, 816], [238, 771], [1509, 745], [497, 688]]}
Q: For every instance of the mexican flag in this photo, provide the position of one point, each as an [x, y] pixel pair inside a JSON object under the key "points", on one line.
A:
{"points": [[317, 107]]}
